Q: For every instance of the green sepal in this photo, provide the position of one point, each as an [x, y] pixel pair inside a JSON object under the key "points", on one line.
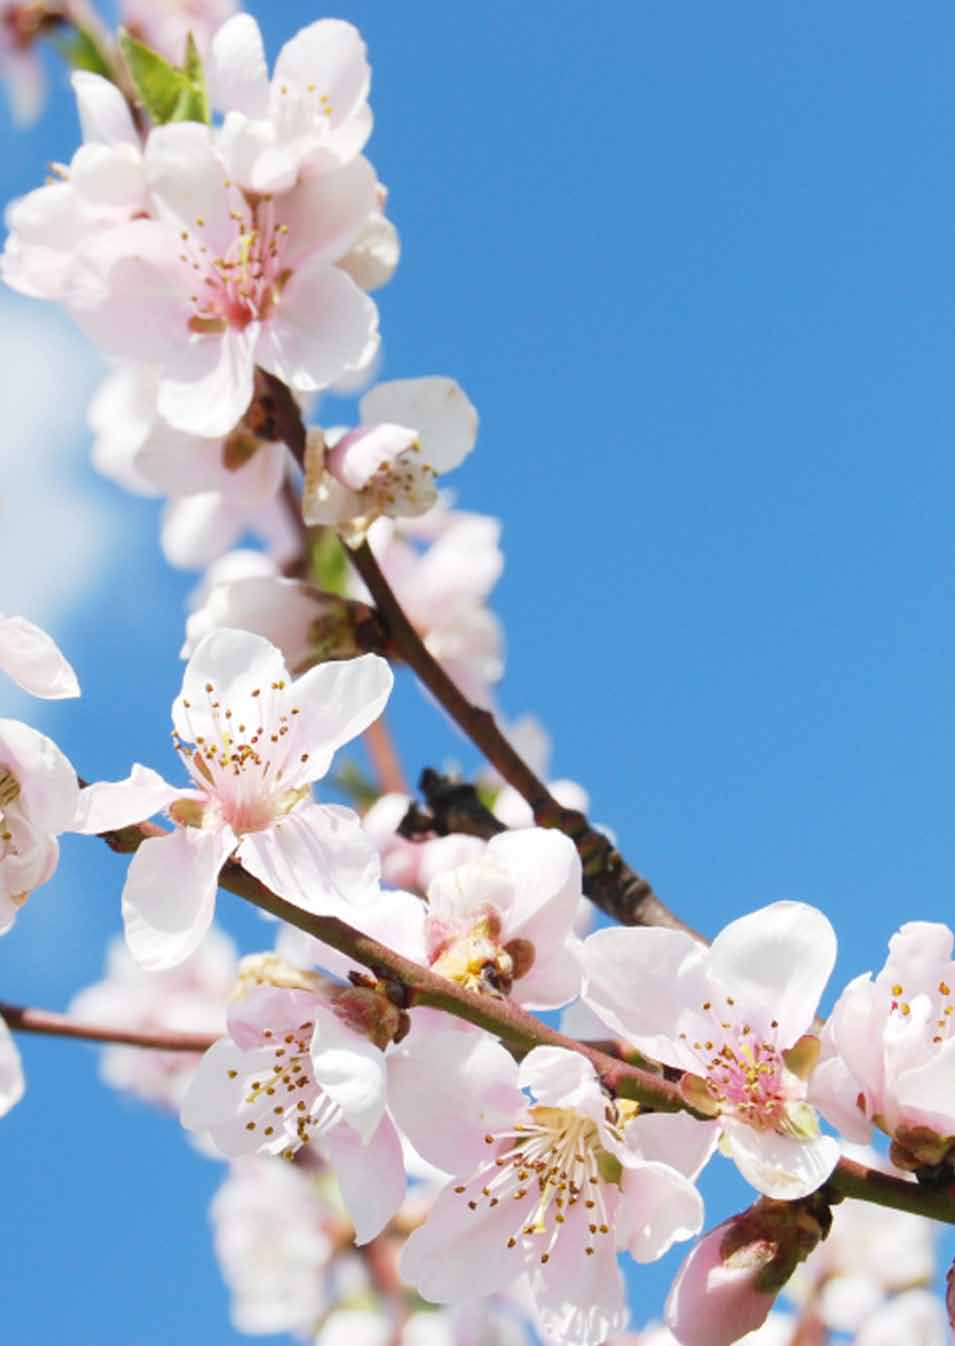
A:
{"points": [[81, 52], [167, 93], [329, 563]]}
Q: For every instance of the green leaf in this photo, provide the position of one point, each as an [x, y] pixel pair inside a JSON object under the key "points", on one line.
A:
{"points": [[167, 93], [329, 562], [82, 53]]}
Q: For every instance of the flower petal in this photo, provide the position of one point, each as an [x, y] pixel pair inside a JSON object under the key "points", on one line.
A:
{"points": [[318, 857], [206, 384], [237, 73], [108, 805], [777, 959], [323, 326], [12, 1083], [351, 1070], [336, 701], [438, 408], [371, 1176], [780, 1166], [170, 893], [34, 660], [104, 113]]}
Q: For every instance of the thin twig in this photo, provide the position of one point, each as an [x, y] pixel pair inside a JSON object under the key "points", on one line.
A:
{"points": [[384, 758], [24, 1020]]}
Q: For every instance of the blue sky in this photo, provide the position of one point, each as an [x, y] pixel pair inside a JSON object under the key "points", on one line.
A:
{"points": [[694, 266]]}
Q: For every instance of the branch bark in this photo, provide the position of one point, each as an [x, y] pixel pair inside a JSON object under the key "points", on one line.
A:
{"points": [[21, 1019]]}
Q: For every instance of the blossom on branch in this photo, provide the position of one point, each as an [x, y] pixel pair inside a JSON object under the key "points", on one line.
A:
{"points": [[552, 1186], [38, 800], [411, 431], [738, 1017], [888, 1056], [253, 742]]}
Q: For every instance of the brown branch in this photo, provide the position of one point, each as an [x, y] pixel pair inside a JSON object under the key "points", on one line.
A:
{"points": [[520, 1031], [608, 880], [23, 1020]]}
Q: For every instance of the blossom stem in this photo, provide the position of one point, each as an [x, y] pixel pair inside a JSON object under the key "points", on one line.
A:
{"points": [[21, 1019]]}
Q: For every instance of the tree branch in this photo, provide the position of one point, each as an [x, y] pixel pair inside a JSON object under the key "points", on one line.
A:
{"points": [[23, 1020]]}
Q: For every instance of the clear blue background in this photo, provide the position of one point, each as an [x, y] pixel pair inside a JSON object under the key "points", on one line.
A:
{"points": [[694, 265]]}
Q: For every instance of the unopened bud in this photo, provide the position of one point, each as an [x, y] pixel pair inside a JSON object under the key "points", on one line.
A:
{"points": [[368, 1012]]}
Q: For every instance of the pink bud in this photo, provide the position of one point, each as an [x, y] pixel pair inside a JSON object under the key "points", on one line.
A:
{"points": [[714, 1299]]}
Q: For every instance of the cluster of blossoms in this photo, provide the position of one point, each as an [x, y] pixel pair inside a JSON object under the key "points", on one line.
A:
{"points": [[480, 1163]]}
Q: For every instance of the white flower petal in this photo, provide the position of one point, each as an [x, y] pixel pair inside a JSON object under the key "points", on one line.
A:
{"points": [[371, 1176], [780, 1166], [34, 660], [318, 857], [104, 113], [351, 1070], [108, 805], [438, 408], [322, 326], [237, 72], [170, 892]]}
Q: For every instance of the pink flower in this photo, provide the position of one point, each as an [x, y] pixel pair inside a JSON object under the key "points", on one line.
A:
{"points": [[190, 998], [312, 118], [730, 1015], [38, 801], [103, 187], [550, 1187], [217, 283], [292, 1071], [34, 660], [411, 431], [413, 864], [253, 742], [888, 1049]]}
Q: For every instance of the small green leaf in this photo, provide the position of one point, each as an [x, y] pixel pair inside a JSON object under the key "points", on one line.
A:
{"points": [[82, 53], [167, 94], [329, 563]]}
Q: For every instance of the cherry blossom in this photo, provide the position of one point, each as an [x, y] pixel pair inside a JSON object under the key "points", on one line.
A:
{"points": [[38, 801], [413, 864], [312, 117], [296, 1068], [34, 660], [726, 1286], [280, 1237], [164, 25], [217, 283], [103, 188], [190, 998], [411, 431], [888, 1049], [739, 1017], [551, 1187], [253, 742]]}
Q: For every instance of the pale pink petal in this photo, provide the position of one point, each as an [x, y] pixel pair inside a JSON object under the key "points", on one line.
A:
{"points": [[323, 326], [563, 1079], [780, 1166], [371, 1176], [834, 1090], [658, 1207], [372, 258], [48, 786], [580, 1300], [12, 1083], [351, 1070], [545, 868], [236, 669], [925, 1095], [367, 450], [104, 113], [207, 382], [109, 177], [460, 1254], [447, 1089], [638, 981], [337, 701], [237, 73], [170, 893], [216, 1096], [330, 55], [437, 408], [553, 981], [34, 660], [187, 183], [325, 214], [107, 805], [676, 1139], [197, 529], [776, 960], [318, 857]]}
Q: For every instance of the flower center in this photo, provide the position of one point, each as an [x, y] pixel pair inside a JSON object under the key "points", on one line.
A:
{"points": [[243, 766], [744, 1074], [943, 1007], [241, 284], [551, 1163], [475, 958], [9, 793], [286, 1103]]}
